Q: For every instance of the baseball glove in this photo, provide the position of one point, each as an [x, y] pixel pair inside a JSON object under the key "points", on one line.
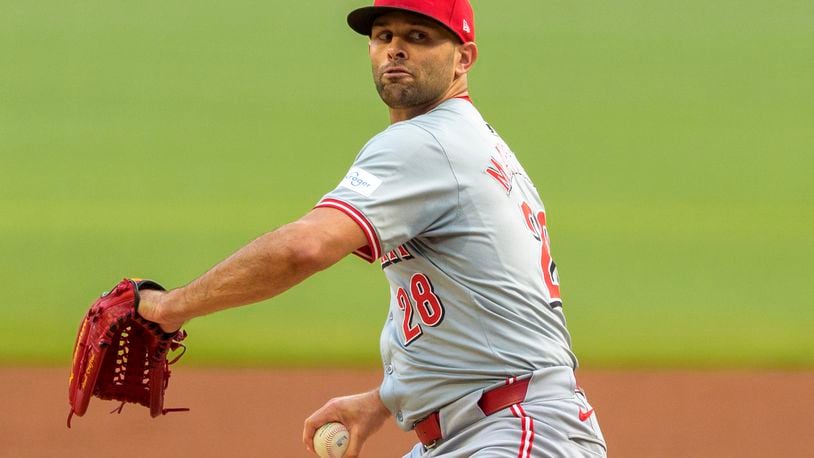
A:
{"points": [[121, 356]]}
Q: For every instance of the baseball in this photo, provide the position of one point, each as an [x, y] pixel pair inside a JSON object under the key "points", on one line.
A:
{"points": [[331, 440]]}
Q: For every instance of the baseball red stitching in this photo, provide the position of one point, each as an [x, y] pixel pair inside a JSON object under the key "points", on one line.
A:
{"points": [[329, 439]]}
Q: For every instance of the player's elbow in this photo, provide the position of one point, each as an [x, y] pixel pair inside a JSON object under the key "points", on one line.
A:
{"points": [[309, 252], [308, 257]]}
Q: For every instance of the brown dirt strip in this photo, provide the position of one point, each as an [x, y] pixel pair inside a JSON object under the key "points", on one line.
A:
{"points": [[259, 413]]}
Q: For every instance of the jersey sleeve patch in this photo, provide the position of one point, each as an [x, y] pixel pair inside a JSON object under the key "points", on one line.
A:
{"points": [[372, 251], [361, 181]]}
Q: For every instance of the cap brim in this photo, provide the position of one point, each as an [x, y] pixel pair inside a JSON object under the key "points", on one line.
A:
{"points": [[361, 20]]}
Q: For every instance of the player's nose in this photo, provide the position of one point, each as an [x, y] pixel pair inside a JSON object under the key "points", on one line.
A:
{"points": [[395, 50]]}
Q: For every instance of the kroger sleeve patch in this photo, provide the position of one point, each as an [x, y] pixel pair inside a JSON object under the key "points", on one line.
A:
{"points": [[361, 181]]}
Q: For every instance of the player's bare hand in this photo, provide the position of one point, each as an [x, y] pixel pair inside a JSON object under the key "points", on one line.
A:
{"points": [[153, 306], [363, 414]]}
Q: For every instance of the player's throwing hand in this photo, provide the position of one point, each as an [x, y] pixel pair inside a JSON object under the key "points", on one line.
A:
{"points": [[363, 414]]}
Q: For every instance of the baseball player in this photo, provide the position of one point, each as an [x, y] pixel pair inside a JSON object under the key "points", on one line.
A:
{"points": [[476, 355]]}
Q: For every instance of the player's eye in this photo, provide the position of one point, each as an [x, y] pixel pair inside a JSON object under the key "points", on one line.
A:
{"points": [[417, 35], [384, 36]]}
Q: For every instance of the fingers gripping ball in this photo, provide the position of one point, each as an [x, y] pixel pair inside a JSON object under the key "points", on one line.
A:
{"points": [[331, 440]]}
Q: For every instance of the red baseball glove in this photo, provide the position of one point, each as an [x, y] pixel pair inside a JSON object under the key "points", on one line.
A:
{"points": [[121, 356]]}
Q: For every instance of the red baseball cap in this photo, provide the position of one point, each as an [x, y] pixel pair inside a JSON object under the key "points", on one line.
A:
{"points": [[455, 15]]}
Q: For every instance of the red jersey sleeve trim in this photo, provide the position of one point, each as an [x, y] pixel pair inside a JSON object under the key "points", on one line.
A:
{"points": [[372, 251]]}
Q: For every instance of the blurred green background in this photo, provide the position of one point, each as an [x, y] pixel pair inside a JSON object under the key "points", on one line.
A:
{"points": [[671, 141]]}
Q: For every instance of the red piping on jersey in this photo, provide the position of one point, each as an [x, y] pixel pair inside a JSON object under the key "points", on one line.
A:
{"points": [[372, 251], [465, 97]]}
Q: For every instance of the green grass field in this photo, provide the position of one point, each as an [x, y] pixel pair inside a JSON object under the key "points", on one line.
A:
{"points": [[671, 141]]}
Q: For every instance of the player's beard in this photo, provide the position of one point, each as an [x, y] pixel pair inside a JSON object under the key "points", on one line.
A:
{"points": [[427, 85]]}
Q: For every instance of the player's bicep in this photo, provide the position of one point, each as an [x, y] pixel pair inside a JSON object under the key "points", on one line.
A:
{"points": [[335, 233]]}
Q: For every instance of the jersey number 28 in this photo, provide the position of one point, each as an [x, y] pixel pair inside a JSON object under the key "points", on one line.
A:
{"points": [[429, 306]]}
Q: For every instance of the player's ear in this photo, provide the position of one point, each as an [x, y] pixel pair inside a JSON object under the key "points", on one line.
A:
{"points": [[468, 55]]}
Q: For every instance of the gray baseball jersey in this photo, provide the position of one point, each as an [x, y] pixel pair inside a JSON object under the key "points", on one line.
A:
{"points": [[461, 234]]}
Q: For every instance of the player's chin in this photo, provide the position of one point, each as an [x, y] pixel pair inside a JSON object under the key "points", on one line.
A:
{"points": [[395, 95]]}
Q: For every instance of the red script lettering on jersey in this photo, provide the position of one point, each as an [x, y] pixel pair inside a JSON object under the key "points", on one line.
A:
{"points": [[497, 172]]}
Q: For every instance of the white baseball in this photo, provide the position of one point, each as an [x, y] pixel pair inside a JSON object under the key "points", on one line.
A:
{"points": [[331, 440]]}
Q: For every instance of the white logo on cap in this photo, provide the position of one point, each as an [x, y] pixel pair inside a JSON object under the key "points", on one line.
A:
{"points": [[466, 27]]}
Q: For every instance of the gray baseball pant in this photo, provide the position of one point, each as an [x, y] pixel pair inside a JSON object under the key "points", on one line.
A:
{"points": [[555, 420]]}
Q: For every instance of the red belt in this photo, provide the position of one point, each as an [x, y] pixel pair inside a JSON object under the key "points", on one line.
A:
{"points": [[428, 430]]}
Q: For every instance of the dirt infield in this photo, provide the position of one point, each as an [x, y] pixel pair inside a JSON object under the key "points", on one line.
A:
{"points": [[259, 413]]}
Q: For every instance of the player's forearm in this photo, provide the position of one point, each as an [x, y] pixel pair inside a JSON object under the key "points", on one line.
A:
{"points": [[264, 268]]}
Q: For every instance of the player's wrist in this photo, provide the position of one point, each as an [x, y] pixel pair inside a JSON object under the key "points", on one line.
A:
{"points": [[379, 409], [170, 310], [156, 306]]}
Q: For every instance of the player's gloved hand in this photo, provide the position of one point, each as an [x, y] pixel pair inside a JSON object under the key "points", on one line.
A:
{"points": [[120, 355], [363, 414], [153, 307]]}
